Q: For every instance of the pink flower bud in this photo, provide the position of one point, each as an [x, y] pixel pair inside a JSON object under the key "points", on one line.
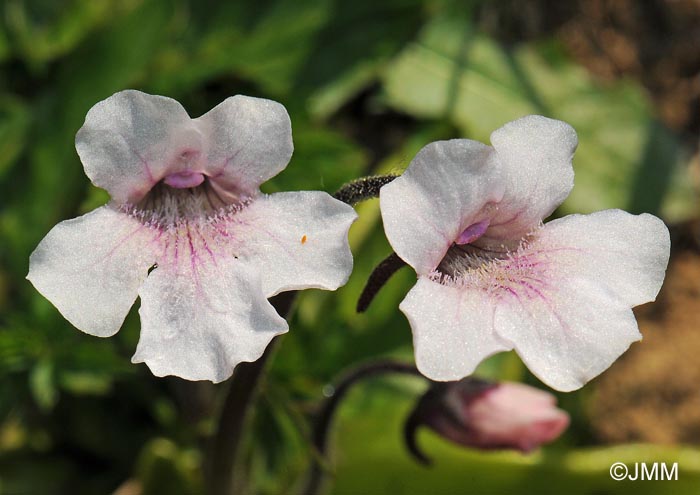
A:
{"points": [[497, 416]]}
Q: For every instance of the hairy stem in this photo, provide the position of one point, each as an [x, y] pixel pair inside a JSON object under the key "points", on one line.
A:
{"points": [[240, 396], [362, 189], [323, 422]]}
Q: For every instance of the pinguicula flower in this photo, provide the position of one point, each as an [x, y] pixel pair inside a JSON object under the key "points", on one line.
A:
{"points": [[492, 277], [189, 232]]}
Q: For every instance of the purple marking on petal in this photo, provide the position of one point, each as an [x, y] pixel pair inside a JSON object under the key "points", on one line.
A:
{"points": [[473, 232], [184, 180]]}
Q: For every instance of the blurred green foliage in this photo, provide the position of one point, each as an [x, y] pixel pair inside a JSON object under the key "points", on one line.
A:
{"points": [[367, 84]]}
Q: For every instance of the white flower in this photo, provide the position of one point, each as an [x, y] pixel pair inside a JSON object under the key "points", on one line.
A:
{"points": [[189, 232], [468, 218]]}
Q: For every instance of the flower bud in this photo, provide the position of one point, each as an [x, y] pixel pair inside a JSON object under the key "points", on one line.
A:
{"points": [[486, 415]]}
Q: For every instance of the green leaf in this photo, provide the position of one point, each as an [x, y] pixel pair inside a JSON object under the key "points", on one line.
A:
{"points": [[43, 31], [262, 42], [41, 381], [24, 473], [18, 348], [5, 49], [15, 118], [453, 73], [163, 467], [85, 383], [349, 52], [323, 160]]}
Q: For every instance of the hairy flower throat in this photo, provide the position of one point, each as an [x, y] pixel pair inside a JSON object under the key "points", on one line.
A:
{"points": [[190, 227], [519, 270]]}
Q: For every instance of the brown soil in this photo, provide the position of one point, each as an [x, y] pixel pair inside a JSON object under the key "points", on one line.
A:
{"points": [[653, 41], [653, 392]]}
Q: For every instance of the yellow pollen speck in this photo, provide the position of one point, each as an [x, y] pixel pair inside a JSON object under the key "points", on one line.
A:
{"points": [[303, 239]]}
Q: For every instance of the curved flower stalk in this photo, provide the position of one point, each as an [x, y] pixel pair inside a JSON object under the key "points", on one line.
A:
{"points": [[189, 232], [491, 277]]}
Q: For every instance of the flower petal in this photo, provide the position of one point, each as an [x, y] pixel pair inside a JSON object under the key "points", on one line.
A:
{"points": [[572, 318], [626, 253], [452, 329], [569, 335], [91, 267], [200, 326], [437, 197], [535, 155], [131, 139], [250, 141], [299, 240]]}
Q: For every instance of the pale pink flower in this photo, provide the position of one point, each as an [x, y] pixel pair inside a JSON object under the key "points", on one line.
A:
{"points": [[189, 232], [497, 416], [491, 277]]}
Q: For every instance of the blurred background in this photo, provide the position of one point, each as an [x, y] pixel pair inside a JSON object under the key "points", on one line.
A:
{"points": [[367, 84]]}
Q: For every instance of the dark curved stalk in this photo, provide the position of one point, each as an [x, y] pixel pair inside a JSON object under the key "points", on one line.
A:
{"points": [[410, 438], [323, 422], [234, 411], [379, 276]]}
